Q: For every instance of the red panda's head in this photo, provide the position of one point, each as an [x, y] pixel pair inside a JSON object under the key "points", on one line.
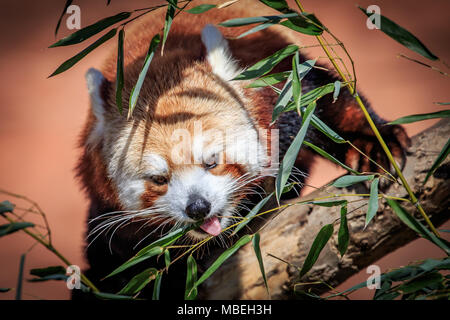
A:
{"points": [[191, 151]]}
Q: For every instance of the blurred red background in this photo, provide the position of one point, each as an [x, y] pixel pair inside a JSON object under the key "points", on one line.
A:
{"points": [[41, 118]]}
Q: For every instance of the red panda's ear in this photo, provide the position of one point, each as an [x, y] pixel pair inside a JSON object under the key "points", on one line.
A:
{"points": [[95, 80], [218, 53]]}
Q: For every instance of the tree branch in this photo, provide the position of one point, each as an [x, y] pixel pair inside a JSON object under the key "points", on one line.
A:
{"points": [[290, 234]]}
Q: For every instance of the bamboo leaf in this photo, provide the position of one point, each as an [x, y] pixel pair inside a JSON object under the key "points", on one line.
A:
{"points": [[291, 154], [326, 130], [134, 95], [167, 258], [343, 234], [402, 36], [302, 23], [312, 96], [12, 227], [138, 282], [112, 296], [3, 290], [318, 244], [153, 249], [337, 89], [329, 204], [89, 31], [252, 20], [421, 282], [20, 277], [259, 27], [298, 73], [119, 73], [265, 65], [255, 210], [257, 250], [269, 80], [373, 201], [328, 156], [68, 3], [157, 286], [191, 278], [283, 99], [222, 258], [201, 8], [72, 61], [440, 158], [415, 225], [6, 206], [42, 272], [170, 14], [280, 5], [349, 180], [421, 117]]}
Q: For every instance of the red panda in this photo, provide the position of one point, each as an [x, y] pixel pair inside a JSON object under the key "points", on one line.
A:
{"points": [[142, 182]]}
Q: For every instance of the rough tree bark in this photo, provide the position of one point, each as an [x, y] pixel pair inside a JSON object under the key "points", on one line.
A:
{"points": [[291, 232]]}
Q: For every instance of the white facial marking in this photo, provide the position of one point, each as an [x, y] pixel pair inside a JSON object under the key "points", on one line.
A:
{"points": [[196, 181], [157, 165]]}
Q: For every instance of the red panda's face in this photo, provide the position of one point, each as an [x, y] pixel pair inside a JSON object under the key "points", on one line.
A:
{"points": [[190, 153]]}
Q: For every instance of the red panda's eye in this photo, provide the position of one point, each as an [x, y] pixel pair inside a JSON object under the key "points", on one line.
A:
{"points": [[159, 180]]}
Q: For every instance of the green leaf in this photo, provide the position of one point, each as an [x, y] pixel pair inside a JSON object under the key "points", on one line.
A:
{"points": [[111, 296], [12, 227], [255, 210], [280, 5], [283, 99], [2, 290], [42, 272], [259, 27], [72, 61], [319, 243], [153, 249], [402, 36], [440, 158], [134, 95], [328, 156], [337, 89], [6, 206], [252, 20], [312, 96], [170, 14], [269, 80], [343, 234], [326, 130], [191, 278], [421, 282], [119, 73], [291, 154], [304, 24], [373, 201], [89, 31], [265, 65], [157, 286], [329, 204], [421, 117], [167, 258], [62, 277], [257, 250], [139, 257], [298, 73], [138, 282], [415, 225], [221, 259], [201, 8], [68, 3], [349, 180], [20, 277]]}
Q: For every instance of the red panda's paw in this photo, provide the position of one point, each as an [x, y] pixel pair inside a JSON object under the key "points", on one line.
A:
{"points": [[397, 141]]}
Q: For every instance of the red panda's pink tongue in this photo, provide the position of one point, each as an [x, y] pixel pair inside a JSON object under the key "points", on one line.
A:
{"points": [[212, 226]]}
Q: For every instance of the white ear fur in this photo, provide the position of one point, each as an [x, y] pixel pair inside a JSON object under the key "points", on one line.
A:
{"points": [[94, 80], [218, 53]]}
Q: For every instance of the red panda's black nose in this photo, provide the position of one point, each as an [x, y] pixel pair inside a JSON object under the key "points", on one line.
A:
{"points": [[197, 207]]}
